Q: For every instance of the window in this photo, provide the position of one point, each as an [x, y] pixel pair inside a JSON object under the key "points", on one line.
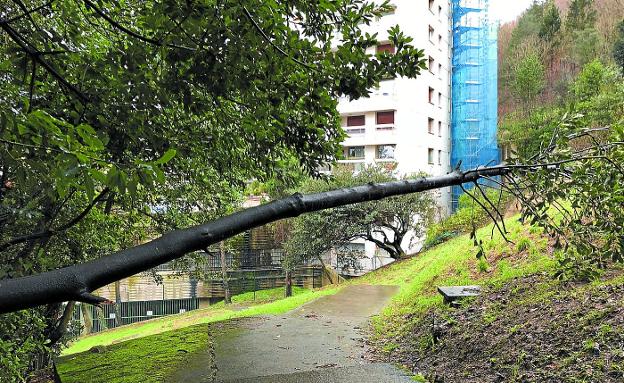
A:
{"points": [[354, 153], [430, 156], [356, 120], [431, 33], [440, 128], [430, 127], [385, 118], [440, 41], [439, 12], [431, 91], [440, 99], [440, 70], [439, 157], [385, 152], [431, 64], [431, 5], [385, 48], [355, 124], [386, 88]]}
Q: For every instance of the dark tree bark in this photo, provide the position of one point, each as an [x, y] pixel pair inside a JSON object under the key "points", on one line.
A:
{"points": [[224, 275], [288, 284], [61, 327], [75, 283]]}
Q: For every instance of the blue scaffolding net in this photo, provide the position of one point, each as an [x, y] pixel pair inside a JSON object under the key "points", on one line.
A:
{"points": [[474, 88]]}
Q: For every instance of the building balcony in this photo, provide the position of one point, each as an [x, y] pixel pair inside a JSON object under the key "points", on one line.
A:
{"points": [[371, 135]]}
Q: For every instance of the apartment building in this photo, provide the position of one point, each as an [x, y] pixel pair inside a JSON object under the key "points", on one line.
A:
{"points": [[405, 123]]}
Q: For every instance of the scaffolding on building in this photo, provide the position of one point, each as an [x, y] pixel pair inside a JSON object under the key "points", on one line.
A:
{"points": [[474, 88]]}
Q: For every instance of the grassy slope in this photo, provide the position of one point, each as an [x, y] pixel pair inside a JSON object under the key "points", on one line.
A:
{"points": [[149, 359], [149, 352], [454, 263], [530, 329]]}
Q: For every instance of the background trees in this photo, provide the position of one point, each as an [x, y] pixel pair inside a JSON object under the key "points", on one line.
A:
{"points": [[618, 47], [389, 223], [528, 80]]}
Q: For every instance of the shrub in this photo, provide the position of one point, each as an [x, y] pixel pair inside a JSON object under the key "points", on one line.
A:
{"points": [[468, 215]]}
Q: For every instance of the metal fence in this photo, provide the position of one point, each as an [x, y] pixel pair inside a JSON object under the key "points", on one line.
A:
{"points": [[119, 314]]}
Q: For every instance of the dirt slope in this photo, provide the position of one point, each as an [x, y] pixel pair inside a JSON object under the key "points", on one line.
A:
{"points": [[529, 330]]}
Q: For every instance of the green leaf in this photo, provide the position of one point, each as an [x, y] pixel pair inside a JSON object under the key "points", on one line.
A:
{"points": [[169, 154]]}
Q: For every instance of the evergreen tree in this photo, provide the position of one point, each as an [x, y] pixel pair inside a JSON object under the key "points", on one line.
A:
{"points": [[618, 47], [581, 15], [551, 22]]}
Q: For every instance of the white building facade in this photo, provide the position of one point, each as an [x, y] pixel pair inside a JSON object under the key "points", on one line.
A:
{"points": [[406, 122]]}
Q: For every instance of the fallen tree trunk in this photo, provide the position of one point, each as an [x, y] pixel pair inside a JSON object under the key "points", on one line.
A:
{"points": [[77, 282]]}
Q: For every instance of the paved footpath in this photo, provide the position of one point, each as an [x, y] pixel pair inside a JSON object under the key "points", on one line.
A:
{"points": [[319, 342]]}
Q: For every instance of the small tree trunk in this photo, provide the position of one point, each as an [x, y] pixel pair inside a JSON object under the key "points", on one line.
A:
{"points": [[88, 321], [399, 250], [61, 327], [288, 285], [100, 315], [224, 275], [117, 304]]}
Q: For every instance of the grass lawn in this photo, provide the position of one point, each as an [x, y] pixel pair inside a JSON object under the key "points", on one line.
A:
{"points": [[150, 359], [270, 304]]}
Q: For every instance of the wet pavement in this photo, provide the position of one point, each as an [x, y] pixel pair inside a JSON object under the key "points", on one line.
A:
{"points": [[319, 342]]}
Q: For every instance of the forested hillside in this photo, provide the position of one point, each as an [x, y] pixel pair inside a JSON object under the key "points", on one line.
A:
{"points": [[543, 51]]}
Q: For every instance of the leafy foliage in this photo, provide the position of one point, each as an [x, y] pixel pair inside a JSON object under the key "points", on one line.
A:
{"points": [[597, 93], [584, 217], [528, 80], [581, 14], [551, 22], [582, 140], [618, 47], [120, 120]]}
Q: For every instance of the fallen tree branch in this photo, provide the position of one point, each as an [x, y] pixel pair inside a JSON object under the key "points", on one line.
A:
{"points": [[77, 282]]}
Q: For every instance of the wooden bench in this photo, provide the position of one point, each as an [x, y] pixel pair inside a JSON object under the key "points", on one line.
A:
{"points": [[454, 293]]}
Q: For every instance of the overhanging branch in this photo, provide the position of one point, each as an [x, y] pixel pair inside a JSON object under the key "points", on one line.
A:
{"points": [[26, 47], [75, 283]]}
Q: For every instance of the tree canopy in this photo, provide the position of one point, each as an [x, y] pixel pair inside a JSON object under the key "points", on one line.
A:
{"points": [[119, 120]]}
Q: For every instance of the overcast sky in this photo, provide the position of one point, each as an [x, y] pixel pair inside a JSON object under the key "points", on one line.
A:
{"points": [[507, 10]]}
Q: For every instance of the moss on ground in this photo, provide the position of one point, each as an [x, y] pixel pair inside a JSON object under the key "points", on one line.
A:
{"points": [[149, 359]]}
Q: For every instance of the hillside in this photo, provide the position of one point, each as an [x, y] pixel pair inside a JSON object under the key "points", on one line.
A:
{"points": [[526, 327], [563, 40]]}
